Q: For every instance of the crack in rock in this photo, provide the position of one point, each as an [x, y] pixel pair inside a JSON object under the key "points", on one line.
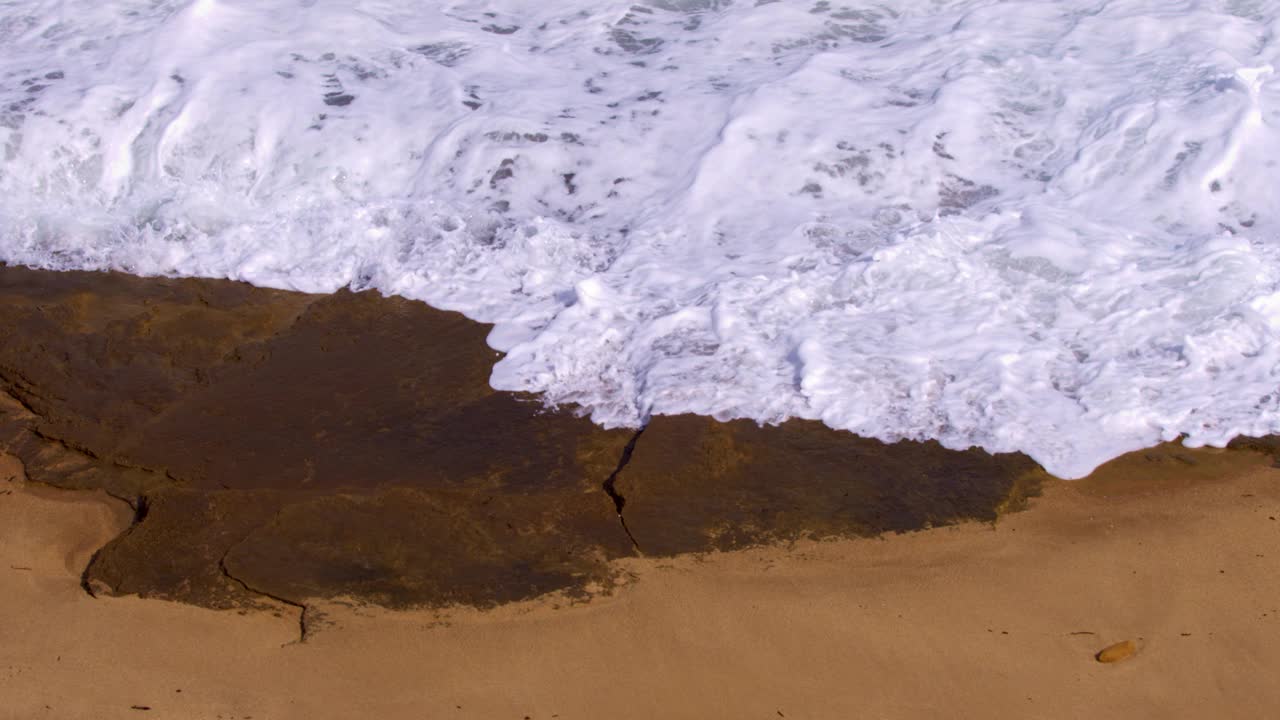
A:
{"points": [[302, 607], [15, 386], [71, 446], [619, 502]]}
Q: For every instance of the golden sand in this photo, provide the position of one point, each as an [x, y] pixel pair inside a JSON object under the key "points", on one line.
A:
{"points": [[972, 621]]}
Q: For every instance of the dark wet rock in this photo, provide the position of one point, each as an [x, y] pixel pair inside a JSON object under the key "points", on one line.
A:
{"points": [[53, 461], [448, 53], [1268, 445], [231, 409], [406, 545], [631, 43], [957, 194], [290, 446], [366, 392], [174, 548], [338, 99], [694, 483], [98, 354]]}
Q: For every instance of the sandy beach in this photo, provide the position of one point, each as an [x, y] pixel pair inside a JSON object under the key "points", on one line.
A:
{"points": [[649, 360], [1173, 549]]}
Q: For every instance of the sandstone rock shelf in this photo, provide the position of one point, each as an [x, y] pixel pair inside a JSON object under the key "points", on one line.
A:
{"points": [[291, 446]]}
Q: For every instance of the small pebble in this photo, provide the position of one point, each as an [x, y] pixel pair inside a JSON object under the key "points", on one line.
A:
{"points": [[1117, 652]]}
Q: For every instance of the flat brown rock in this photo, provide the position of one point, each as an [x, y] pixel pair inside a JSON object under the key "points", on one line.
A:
{"points": [[311, 435], [99, 354], [174, 548], [292, 446], [402, 546], [694, 483]]}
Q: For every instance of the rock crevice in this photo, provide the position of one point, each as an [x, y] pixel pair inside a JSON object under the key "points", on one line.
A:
{"points": [[610, 487], [301, 607]]}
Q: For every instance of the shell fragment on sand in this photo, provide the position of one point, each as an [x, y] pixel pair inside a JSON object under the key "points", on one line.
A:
{"points": [[1117, 652]]}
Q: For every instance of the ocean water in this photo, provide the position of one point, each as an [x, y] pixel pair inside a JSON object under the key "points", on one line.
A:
{"points": [[1046, 226]]}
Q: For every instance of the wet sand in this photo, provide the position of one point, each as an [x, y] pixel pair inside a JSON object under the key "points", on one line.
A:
{"points": [[1176, 550]]}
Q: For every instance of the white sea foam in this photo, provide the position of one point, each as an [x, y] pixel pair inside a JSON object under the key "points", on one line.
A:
{"points": [[1041, 226]]}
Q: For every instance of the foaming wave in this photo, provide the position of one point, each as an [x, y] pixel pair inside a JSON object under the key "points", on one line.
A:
{"points": [[1036, 226]]}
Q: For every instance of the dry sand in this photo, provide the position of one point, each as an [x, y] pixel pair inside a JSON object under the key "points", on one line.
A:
{"points": [[971, 621]]}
